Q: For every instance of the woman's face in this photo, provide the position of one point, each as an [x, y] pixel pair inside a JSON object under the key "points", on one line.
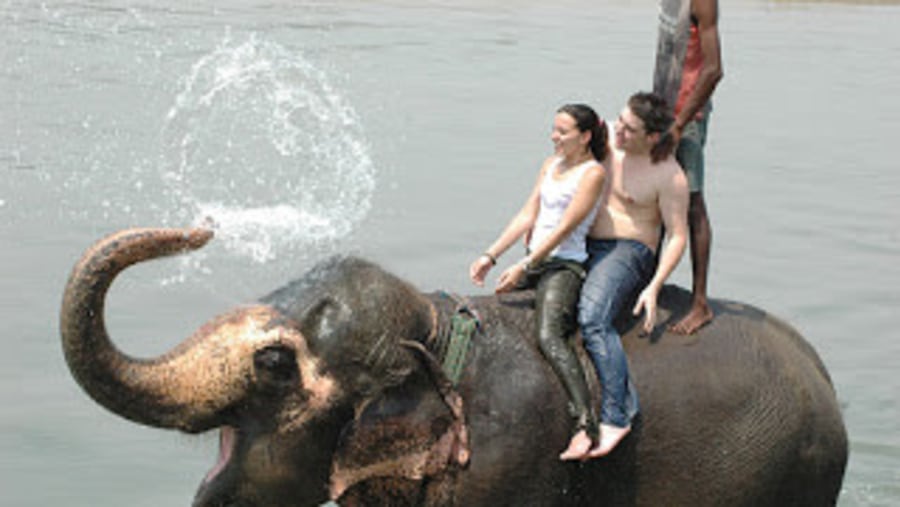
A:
{"points": [[567, 140]]}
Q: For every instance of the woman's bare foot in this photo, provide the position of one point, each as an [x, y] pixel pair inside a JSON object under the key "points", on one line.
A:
{"points": [[610, 436], [699, 315], [578, 447]]}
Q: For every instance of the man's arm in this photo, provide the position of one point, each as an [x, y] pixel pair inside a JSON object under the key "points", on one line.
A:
{"points": [[706, 12], [673, 205]]}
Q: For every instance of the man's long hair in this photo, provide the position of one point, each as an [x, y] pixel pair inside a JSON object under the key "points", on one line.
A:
{"points": [[657, 116]]}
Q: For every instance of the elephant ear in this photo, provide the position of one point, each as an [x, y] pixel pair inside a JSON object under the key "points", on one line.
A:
{"points": [[354, 314], [399, 438]]}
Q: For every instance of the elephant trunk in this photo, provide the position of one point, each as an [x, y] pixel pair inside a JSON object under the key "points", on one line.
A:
{"points": [[153, 392]]}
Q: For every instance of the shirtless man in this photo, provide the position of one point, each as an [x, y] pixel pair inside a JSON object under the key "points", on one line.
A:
{"points": [[647, 190]]}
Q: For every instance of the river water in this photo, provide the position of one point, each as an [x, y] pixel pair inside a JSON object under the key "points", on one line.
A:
{"points": [[408, 132]]}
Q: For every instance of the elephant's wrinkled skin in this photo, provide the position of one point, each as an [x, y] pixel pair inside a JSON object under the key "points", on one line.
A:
{"points": [[324, 389]]}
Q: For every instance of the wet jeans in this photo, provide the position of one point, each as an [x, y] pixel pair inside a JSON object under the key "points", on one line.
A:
{"points": [[558, 286], [617, 270]]}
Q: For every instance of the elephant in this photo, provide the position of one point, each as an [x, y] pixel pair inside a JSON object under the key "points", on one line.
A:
{"points": [[334, 390]]}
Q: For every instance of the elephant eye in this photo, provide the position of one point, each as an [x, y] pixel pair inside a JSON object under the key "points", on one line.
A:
{"points": [[276, 365]]}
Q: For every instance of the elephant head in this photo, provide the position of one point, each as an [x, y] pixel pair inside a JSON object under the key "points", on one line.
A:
{"points": [[280, 378]]}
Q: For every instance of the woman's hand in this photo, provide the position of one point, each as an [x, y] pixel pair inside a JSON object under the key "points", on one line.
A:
{"points": [[510, 278], [479, 269]]}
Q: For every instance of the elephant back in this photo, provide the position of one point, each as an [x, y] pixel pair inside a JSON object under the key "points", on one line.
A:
{"points": [[746, 395]]}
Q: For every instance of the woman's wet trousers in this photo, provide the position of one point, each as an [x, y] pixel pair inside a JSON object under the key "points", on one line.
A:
{"points": [[556, 302]]}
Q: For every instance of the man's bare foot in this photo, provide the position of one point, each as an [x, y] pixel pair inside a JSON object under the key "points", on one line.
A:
{"points": [[699, 315], [610, 436], [578, 447]]}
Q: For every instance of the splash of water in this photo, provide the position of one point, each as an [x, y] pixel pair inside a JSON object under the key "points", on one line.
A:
{"points": [[259, 141], [254, 232]]}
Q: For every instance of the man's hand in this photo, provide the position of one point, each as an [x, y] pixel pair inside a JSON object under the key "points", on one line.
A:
{"points": [[647, 302], [676, 132]]}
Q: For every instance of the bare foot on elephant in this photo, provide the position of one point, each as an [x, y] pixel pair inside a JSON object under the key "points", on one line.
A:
{"points": [[699, 315], [610, 436], [578, 447]]}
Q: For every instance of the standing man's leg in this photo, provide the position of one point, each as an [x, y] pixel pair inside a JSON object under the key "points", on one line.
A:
{"points": [[690, 156]]}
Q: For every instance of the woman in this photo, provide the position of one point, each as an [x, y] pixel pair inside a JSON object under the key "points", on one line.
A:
{"points": [[556, 218]]}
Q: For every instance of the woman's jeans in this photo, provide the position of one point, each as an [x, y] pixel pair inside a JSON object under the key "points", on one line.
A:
{"points": [[617, 270]]}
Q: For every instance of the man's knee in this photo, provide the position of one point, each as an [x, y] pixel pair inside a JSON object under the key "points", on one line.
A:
{"points": [[587, 312], [698, 218], [597, 342], [595, 323], [696, 202]]}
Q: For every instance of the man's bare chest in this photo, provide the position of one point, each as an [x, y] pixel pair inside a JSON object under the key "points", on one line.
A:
{"points": [[633, 190]]}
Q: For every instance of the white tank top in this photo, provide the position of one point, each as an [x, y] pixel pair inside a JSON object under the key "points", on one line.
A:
{"points": [[555, 198]]}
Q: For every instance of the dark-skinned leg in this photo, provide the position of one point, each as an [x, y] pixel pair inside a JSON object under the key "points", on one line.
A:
{"points": [[700, 313], [691, 157]]}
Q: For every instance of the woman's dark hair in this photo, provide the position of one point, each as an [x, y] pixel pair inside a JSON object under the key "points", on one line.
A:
{"points": [[652, 109], [586, 120]]}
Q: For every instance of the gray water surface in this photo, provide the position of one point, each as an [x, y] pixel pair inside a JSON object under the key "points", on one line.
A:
{"points": [[408, 132]]}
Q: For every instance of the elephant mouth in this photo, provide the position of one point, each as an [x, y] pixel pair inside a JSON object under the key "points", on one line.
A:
{"points": [[227, 445], [216, 490]]}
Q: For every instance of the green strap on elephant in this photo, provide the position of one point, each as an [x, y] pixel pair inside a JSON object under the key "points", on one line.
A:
{"points": [[463, 326]]}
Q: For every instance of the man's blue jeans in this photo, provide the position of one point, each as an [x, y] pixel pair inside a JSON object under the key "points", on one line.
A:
{"points": [[617, 270]]}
